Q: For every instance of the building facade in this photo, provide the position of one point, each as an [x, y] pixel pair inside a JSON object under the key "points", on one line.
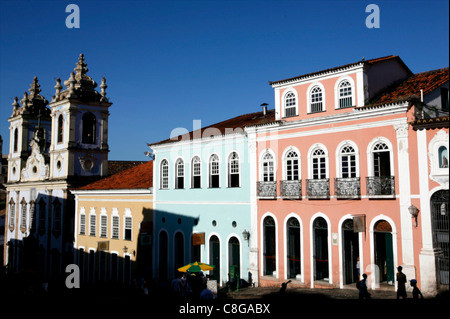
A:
{"points": [[337, 177], [203, 189], [114, 227], [53, 147]]}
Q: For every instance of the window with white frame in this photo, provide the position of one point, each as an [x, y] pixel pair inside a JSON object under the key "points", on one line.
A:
{"points": [[92, 224], [348, 162], [12, 213], [179, 174], [164, 175], [268, 174], [290, 105], [103, 225], [381, 160], [316, 100], [292, 166], [82, 224], [443, 157], [23, 216], [233, 170], [115, 227], [345, 94], [319, 164], [196, 172], [214, 171], [128, 227]]}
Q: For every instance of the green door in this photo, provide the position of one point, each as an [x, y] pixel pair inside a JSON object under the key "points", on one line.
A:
{"points": [[389, 258]]}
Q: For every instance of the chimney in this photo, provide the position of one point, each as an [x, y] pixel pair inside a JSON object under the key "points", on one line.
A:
{"points": [[264, 106]]}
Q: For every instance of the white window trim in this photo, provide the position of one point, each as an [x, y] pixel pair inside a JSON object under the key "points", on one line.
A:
{"points": [[210, 171], [191, 180], [308, 97], [262, 268], [103, 214], [92, 213], [176, 173], [310, 160], [338, 157], [337, 93], [228, 168], [261, 161], [284, 159], [283, 101], [115, 213], [370, 164], [127, 214], [437, 174], [161, 174], [82, 213]]}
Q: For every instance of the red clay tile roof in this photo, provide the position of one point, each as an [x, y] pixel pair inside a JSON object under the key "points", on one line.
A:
{"points": [[115, 167], [410, 88], [368, 62], [251, 119], [137, 177]]}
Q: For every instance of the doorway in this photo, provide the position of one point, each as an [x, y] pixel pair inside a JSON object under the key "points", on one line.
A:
{"points": [[320, 231], [384, 252], [214, 257], [350, 246]]}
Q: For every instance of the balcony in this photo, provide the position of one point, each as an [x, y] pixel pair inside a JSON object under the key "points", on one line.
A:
{"points": [[291, 189], [380, 186], [267, 190], [347, 188], [318, 188]]}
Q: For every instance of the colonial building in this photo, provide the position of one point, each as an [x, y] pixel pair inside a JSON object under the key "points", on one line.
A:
{"points": [[53, 147], [342, 176], [205, 200], [114, 226]]}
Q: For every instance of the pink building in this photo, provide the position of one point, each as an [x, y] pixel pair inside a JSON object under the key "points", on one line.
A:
{"points": [[356, 152]]}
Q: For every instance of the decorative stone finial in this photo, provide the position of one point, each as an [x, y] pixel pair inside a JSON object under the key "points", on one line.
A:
{"points": [[24, 100], [58, 88], [71, 82], [103, 87], [34, 88], [16, 106]]}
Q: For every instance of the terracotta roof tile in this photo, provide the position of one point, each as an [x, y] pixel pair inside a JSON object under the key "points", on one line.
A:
{"points": [[369, 62], [410, 88], [227, 126], [137, 177]]}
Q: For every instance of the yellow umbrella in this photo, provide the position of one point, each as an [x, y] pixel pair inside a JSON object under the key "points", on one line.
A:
{"points": [[195, 267]]}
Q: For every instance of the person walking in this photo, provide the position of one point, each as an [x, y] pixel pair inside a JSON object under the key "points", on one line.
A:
{"points": [[401, 279], [416, 292], [362, 287]]}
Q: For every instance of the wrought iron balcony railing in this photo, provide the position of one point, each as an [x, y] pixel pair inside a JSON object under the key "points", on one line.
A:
{"points": [[347, 187], [318, 188], [267, 190], [291, 189], [380, 186]]}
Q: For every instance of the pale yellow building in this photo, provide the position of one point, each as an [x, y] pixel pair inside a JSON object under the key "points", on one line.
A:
{"points": [[114, 227]]}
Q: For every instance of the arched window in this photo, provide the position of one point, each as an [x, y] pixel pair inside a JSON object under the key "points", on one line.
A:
{"points": [[381, 160], [443, 157], [268, 174], [88, 128], [60, 128], [214, 171], [164, 175], [214, 257], [316, 100], [290, 105], [292, 166], [233, 170], [234, 252], [345, 94], [179, 174], [16, 139], [319, 164], [348, 162], [196, 168]]}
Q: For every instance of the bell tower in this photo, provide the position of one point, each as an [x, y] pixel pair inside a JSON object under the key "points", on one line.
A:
{"points": [[79, 114], [25, 120]]}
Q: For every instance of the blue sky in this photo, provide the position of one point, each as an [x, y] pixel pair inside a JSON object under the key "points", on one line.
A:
{"points": [[168, 63]]}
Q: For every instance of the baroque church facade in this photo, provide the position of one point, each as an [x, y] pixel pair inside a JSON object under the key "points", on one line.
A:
{"points": [[54, 146]]}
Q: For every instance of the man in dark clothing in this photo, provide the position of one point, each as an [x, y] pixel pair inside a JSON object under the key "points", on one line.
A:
{"points": [[401, 278], [362, 287]]}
